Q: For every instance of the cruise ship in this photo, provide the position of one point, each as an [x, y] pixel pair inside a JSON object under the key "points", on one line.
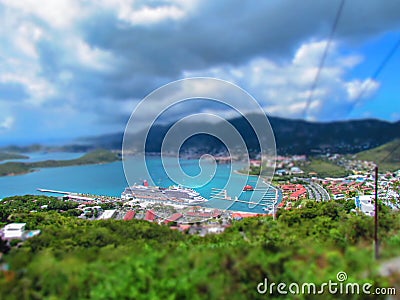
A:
{"points": [[173, 195]]}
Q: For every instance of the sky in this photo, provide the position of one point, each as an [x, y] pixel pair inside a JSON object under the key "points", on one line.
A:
{"points": [[73, 68]]}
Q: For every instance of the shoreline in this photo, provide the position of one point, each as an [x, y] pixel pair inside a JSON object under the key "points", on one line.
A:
{"points": [[36, 166], [243, 174]]}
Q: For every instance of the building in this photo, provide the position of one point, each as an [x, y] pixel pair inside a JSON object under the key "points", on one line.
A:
{"points": [[107, 214], [175, 217], [299, 194], [294, 191], [14, 231], [364, 203], [150, 216], [129, 215], [296, 170], [282, 172]]}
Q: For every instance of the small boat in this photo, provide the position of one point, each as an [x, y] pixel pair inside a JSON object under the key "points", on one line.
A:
{"points": [[248, 188]]}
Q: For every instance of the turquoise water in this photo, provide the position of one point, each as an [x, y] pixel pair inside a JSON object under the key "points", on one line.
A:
{"points": [[109, 179]]}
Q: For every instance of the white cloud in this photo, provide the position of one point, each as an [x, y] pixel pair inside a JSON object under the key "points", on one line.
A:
{"points": [[39, 88], [6, 123], [91, 57], [148, 15], [310, 54], [134, 13], [60, 13], [361, 89], [283, 89], [26, 37]]}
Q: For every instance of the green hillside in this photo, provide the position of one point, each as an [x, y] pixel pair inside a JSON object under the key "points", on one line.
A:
{"points": [[109, 259], [387, 156], [324, 168], [7, 155], [94, 157]]}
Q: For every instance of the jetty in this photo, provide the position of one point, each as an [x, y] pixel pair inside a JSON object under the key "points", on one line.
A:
{"points": [[221, 194], [54, 192]]}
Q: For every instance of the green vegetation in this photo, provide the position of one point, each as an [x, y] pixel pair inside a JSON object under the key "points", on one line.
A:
{"points": [[7, 155], [24, 149], [386, 156], [13, 207], [79, 259], [94, 157], [254, 170], [323, 168]]}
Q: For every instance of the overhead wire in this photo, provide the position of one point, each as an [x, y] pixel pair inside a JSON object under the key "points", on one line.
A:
{"points": [[323, 58], [376, 74]]}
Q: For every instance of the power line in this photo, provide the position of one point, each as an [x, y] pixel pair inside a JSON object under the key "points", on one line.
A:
{"points": [[390, 153], [375, 75], [322, 61]]}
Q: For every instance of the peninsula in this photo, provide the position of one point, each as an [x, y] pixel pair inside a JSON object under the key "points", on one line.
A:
{"points": [[94, 157]]}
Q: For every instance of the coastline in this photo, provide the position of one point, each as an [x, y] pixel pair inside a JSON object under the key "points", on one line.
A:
{"points": [[243, 174], [97, 157]]}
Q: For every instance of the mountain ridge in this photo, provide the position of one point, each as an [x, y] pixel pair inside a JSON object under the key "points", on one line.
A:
{"points": [[291, 136]]}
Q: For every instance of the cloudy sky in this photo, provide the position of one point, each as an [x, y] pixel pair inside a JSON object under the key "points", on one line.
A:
{"points": [[71, 68]]}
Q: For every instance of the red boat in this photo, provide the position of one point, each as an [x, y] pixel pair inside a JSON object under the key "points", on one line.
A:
{"points": [[248, 188]]}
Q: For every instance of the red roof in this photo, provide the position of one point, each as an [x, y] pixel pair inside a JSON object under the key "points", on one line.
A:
{"points": [[245, 215], [129, 215], [173, 218], [298, 193], [292, 187], [184, 227], [150, 215], [216, 213], [199, 214]]}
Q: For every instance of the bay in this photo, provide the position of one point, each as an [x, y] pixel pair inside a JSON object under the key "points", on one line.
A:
{"points": [[109, 179]]}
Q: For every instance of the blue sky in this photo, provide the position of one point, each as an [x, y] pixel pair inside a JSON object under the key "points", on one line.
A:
{"points": [[72, 68]]}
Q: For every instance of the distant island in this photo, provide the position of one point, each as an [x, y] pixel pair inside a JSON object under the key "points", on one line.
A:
{"points": [[7, 155], [93, 157]]}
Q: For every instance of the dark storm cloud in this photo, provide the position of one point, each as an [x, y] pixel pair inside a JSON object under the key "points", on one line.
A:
{"points": [[224, 33], [100, 58], [233, 32]]}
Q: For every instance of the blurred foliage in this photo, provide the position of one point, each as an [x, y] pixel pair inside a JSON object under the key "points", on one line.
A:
{"points": [[110, 259]]}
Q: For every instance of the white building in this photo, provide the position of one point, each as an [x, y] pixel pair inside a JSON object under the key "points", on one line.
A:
{"points": [[107, 214], [14, 231], [364, 203]]}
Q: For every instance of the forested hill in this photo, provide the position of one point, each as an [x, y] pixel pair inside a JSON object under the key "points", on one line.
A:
{"points": [[109, 259], [292, 136]]}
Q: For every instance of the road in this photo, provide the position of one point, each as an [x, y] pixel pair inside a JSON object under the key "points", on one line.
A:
{"points": [[316, 191], [324, 195]]}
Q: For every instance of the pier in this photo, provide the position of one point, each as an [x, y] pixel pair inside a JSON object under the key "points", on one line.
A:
{"points": [[247, 202], [54, 192], [221, 194]]}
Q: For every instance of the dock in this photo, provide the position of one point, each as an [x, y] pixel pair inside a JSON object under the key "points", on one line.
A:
{"points": [[221, 194], [242, 201], [54, 191]]}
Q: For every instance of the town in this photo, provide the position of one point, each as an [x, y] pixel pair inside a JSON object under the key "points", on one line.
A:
{"points": [[171, 207]]}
